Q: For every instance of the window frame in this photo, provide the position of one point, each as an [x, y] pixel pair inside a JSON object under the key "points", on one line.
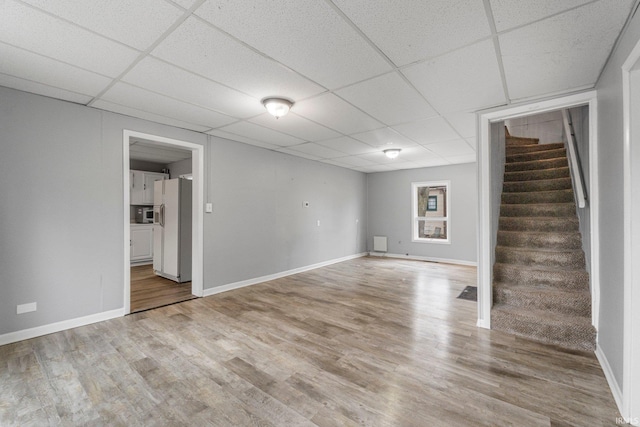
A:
{"points": [[414, 210]]}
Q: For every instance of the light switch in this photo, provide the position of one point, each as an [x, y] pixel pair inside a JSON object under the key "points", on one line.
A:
{"points": [[208, 208]]}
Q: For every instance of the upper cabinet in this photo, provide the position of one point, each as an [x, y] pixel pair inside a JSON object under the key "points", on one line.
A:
{"points": [[141, 186]]}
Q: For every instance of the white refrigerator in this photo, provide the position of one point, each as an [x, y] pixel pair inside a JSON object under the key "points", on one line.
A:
{"points": [[172, 229]]}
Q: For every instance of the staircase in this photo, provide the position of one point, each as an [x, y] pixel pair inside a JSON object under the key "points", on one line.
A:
{"points": [[540, 285]]}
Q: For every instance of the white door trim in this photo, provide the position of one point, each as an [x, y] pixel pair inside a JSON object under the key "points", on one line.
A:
{"points": [[485, 119], [631, 335], [197, 164]]}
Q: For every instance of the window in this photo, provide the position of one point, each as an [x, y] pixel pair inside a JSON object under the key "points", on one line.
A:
{"points": [[430, 211]]}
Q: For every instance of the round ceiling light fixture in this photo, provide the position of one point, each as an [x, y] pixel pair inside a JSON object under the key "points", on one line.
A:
{"points": [[277, 107], [392, 153]]}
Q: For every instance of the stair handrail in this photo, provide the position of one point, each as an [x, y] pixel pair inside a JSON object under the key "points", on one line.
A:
{"points": [[575, 166]]}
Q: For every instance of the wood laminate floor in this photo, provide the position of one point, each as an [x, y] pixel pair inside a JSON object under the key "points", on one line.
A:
{"points": [[151, 291], [371, 341]]}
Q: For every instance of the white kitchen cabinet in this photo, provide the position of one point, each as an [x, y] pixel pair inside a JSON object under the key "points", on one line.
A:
{"points": [[141, 242], [141, 186]]}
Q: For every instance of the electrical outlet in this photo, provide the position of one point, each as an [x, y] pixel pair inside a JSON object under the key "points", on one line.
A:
{"points": [[26, 308]]}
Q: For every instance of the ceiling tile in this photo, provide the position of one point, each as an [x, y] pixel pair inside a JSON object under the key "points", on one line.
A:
{"points": [[467, 158], [508, 13], [306, 35], [388, 98], [295, 125], [184, 3], [465, 80], [384, 138], [355, 161], [335, 162], [61, 40], [132, 112], [298, 153], [416, 29], [333, 112], [319, 151], [30, 66], [428, 163], [243, 139], [141, 99], [160, 77], [196, 46], [263, 134], [463, 123], [472, 142], [41, 89], [562, 53], [428, 131], [380, 158], [374, 168], [348, 145], [456, 147], [141, 25], [417, 153]]}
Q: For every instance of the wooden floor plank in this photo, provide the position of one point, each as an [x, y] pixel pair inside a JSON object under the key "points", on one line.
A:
{"points": [[149, 290], [371, 341]]}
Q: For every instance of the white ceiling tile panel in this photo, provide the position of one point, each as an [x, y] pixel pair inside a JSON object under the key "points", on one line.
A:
{"points": [[380, 158], [467, 158], [472, 142], [30, 66], [132, 112], [135, 23], [456, 147], [417, 152], [348, 145], [41, 89], [295, 125], [509, 13], [374, 168], [384, 138], [259, 133], [158, 76], [204, 50], [463, 123], [428, 131], [411, 30], [184, 3], [428, 163], [306, 35], [243, 139], [31, 29], [141, 99], [333, 112], [354, 161], [335, 162], [319, 151], [563, 52], [388, 98], [465, 80], [298, 153]]}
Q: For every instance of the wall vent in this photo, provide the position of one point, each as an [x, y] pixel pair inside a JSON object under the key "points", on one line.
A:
{"points": [[380, 243]]}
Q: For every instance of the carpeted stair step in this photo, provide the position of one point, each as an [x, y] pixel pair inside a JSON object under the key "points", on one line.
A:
{"points": [[563, 183], [537, 174], [553, 258], [553, 196], [542, 223], [536, 155], [532, 147], [554, 277], [535, 239], [574, 332], [520, 140], [573, 303], [558, 162], [538, 209]]}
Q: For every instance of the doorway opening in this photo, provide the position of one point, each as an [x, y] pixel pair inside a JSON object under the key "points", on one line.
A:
{"points": [[163, 193]]}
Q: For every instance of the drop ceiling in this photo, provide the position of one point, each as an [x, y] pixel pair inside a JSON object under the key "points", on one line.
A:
{"points": [[365, 75]]}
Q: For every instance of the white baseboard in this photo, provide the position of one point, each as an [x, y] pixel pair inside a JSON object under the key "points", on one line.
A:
{"points": [[424, 258], [611, 379], [38, 331], [249, 282]]}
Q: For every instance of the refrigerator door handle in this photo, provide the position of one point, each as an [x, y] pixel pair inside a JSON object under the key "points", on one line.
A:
{"points": [[162, 215]]}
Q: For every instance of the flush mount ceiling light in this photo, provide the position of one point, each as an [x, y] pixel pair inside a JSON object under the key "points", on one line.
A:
{"points": [[392, 153], [277, 107]]}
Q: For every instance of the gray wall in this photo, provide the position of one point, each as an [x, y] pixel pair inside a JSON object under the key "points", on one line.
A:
{"points": [[610, 162], [178, 168], [259, 225], [62, 215], [389, 207]]}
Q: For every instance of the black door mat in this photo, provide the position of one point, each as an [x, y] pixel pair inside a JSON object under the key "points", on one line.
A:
{"points": [[469, 293]]}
